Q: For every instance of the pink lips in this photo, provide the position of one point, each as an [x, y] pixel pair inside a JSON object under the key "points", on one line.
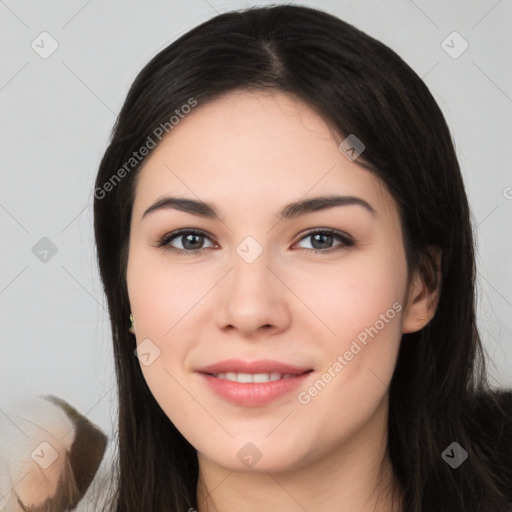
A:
{"points": [[253, 394], [260, 366]]}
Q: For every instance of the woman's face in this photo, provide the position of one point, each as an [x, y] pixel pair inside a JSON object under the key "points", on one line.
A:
{"points": [[262, 298]]}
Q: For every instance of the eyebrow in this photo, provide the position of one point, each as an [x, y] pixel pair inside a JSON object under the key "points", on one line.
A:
{"points": [[290, 211]]}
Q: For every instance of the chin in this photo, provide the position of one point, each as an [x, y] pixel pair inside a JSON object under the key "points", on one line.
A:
{"points": [[256, 455]]}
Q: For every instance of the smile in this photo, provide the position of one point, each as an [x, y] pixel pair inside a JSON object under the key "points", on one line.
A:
{"points": [[253, 389], [253, 377]]}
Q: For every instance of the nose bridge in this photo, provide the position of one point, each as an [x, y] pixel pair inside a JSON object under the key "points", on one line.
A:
{"points": [[253, 296], [251, 274]]}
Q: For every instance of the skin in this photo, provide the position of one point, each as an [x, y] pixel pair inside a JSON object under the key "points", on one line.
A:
{"points": [[250, 154]]}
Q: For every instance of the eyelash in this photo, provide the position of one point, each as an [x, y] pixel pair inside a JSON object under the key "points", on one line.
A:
{"points": [[166, 239]]}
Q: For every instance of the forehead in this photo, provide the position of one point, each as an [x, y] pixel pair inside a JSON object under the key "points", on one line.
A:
{"points": [[254, 147]]}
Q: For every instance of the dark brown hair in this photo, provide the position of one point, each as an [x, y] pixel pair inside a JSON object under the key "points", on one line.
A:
{"points": [[439, 391]]}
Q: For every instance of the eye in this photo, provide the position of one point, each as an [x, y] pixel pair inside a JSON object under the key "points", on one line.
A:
{"points": [[322, 238], [190, 241]]}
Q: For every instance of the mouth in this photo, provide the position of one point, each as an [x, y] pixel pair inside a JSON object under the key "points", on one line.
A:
{"points": [[248, 378], [253, 384]]}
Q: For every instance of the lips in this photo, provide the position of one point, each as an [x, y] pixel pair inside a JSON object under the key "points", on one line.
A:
{"points": [[253, 367], [255, 383]]}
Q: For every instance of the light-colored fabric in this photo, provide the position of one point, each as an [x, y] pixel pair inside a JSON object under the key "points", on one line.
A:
{"points": [[49, 456]]}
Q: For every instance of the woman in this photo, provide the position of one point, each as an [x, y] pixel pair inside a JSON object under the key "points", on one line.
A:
{"points": [[272, 374]]}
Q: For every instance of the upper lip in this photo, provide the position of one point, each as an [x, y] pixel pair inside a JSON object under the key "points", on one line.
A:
{"points": [[259, 366]]}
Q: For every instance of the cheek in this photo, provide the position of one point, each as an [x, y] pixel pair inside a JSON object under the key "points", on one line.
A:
{"points": [[362, 306], [354, 296], [164, 300], [160, 299], [161, 294]]}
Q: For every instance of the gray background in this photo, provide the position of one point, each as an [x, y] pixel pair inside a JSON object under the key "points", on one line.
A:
{"points": [[57, 113]]}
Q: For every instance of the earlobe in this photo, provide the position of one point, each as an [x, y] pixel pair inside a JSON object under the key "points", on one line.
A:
{"points": [[422, 301]]}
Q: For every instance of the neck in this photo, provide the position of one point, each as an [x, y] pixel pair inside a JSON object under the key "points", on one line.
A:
{"points": [[355, 476]]}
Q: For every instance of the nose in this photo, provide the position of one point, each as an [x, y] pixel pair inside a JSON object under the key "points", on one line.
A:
{"points": [[253, 297]]}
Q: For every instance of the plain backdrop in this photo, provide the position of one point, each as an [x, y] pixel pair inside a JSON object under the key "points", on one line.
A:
{"points": [[57, 111]]}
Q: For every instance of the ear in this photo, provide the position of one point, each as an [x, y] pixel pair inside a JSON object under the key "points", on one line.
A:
{"points": [[423, 293]]}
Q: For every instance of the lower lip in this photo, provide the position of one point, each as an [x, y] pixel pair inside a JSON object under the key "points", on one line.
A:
{"points": [[253, 394]]}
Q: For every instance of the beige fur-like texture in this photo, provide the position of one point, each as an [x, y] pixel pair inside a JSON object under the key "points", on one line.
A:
{"points": [[49, 455]]}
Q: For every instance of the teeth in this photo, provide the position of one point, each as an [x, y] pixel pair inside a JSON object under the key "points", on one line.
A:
{"points": [[253, 377], [261, 377]]}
